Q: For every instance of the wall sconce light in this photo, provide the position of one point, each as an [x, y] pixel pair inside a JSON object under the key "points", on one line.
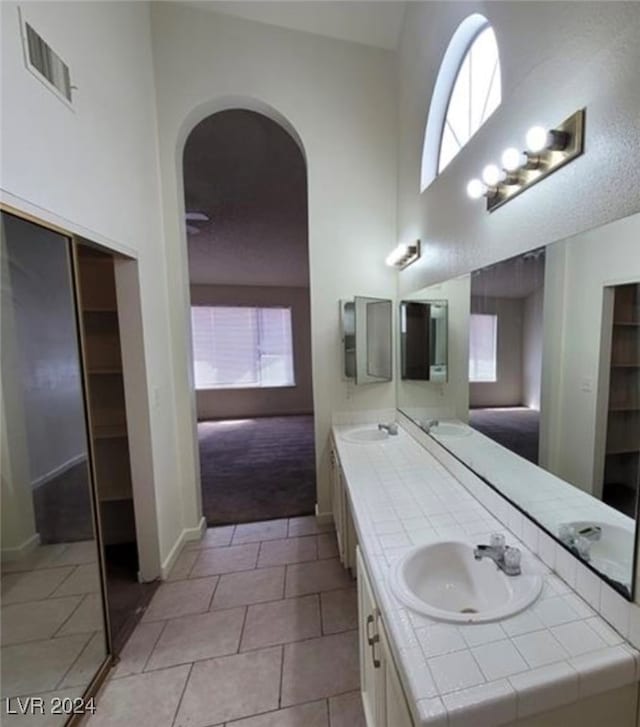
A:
{"points": [[547, 150], [403, 255]]}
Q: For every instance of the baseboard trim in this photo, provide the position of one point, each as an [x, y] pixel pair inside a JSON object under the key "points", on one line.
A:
{"points": [[22, 550], [188, 534], [57, 471], [323, 518]]}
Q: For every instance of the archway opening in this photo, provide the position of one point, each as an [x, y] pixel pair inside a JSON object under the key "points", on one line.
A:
{"points": [[245, 186]]}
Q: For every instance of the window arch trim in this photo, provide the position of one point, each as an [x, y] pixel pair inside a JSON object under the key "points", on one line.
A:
{"points": [[459, 45]]}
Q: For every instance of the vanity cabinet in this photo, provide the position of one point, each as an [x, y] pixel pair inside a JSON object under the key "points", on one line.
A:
{"points": [[383, 697], [345, 530]]}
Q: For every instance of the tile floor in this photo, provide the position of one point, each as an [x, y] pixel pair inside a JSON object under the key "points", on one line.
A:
{"points": [[51, 623], [256, 627]]}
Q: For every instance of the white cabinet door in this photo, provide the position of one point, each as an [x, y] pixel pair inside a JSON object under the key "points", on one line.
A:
{"points": [[371, 668], [396, 709]]}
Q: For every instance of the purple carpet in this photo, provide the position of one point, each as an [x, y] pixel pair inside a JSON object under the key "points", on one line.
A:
{"points": [[257, 469]]}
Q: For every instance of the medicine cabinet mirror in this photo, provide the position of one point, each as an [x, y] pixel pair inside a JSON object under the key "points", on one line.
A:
{"points": [[367, 339], [423, 340], [544, 384]]}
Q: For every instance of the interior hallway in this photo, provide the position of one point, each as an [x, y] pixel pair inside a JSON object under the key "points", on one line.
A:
{"points": [[257, 469], [256, 627]]}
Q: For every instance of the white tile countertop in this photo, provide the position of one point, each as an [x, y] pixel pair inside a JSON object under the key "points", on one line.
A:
{"points": [[556, 652]]}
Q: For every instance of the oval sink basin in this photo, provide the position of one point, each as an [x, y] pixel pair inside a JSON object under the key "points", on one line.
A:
{"points": [[365, 436], [613, 553], [444, 581], [450, 429]]}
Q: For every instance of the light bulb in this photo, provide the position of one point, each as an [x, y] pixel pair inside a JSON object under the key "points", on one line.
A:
{"points": [[512, 159], [536, 139], [491, 175], [475, 189]]}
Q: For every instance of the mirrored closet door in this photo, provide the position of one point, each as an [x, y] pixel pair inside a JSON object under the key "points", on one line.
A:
{"points": [[54, 630]]}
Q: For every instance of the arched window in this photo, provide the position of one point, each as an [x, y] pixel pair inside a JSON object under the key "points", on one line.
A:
{"points": [[467, 92]]}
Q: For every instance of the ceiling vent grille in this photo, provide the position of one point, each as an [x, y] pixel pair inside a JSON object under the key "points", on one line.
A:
{"points": [[46, 63]]}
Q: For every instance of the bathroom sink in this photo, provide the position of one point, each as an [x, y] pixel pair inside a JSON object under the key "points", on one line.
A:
{"points": [[450, 429], [366, 436], [445, 582], [612, 554]]}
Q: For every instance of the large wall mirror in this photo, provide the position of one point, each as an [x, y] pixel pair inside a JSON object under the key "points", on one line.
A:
{"points": [[543, 396], [53, 635]]}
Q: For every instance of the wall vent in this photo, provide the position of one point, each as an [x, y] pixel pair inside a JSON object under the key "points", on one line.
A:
{"points": [[47, 65]]}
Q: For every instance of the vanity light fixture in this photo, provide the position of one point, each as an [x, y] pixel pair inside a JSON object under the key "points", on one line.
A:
{"points": [[403, 255], [546, 151]]}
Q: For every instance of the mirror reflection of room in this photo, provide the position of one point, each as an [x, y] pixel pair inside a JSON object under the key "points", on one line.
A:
{"points": [[53, 636], [505, 352]]}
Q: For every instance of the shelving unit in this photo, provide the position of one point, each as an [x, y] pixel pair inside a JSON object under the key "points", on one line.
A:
{"points": [[103, 360], [622, 453]]}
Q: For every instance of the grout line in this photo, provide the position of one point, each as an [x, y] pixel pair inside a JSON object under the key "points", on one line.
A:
{"points": [[213, 592], [75, 661], [281, 677], [184, 689], [319, 597], [153, 648], [66, 621], [244, 623]]}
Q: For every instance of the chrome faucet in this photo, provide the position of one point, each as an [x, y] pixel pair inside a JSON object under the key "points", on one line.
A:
{"points": [[580, 539], [429, 424], [391, 427], [504, 556]]}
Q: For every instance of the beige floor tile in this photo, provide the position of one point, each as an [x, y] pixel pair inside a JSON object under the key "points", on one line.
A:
{"points": [[304, 715], [339, 610], [221, 690], [32, 585], [320, 668], [327, 545], [88, 617], [183, 565], [88, 663], [280, 622], [80, 553], [84, 579], [215, 561], [265, 530], [35, 620], [181, 598], [252, 586], [213, 538], [202, 636], [144, 699], [43, 556], [315, 577], [48, 719], [346, 710], [307, 525], [40, 665], [138, 648], [288, 550]]}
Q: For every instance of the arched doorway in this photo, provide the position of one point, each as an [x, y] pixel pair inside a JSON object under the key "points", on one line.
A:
{"points": [[245, 187]]}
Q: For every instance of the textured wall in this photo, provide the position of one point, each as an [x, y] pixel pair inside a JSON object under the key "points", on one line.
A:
{"points": [[556, 57]]}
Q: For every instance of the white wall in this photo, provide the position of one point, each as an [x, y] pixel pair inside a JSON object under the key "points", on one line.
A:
{"points": [[93, 170], [556, 57], [574, 293], [238, 403], [507, 389], [425, 400], [338, 99], [532, 348]]}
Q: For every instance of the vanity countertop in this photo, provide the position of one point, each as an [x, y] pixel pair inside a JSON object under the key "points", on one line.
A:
{"points": [[554, 653]]}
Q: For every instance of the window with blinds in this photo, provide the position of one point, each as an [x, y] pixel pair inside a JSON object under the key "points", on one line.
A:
{"points": [[242, 347], [483, 347]]}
